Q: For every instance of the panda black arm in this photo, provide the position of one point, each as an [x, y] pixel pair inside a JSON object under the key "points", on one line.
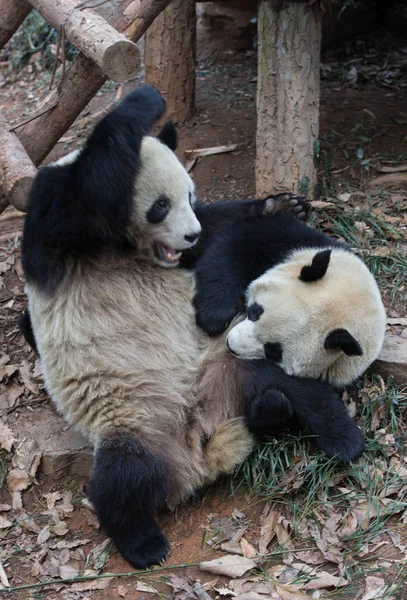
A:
{"points": [[77, 208], [237, 256], [316, 405], [215, 217]]}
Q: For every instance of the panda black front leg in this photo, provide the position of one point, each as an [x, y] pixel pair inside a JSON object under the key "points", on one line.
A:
{"points": [[269, 413], [127, 487], [298, 206]]}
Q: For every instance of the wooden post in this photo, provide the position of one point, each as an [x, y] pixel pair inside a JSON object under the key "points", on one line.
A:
{"points": [[12, 14], [169, 58], [288, 93], [81, 83], [118, 57], [16, 169]]}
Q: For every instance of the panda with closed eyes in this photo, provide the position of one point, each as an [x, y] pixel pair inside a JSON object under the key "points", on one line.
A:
{"points": [[166, 406]]}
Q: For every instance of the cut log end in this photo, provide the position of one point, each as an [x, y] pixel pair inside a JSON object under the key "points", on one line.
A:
{"points": [[18, 194], [122, 60]]}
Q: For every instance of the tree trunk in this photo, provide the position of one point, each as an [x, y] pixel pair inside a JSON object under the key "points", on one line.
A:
{"points": [[17, 170], [169, 58], [81, 83], [287, 97], [12, 14], [117, 56]]}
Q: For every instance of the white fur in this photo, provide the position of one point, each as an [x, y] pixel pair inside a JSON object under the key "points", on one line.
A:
{"points": [[300, 315]]}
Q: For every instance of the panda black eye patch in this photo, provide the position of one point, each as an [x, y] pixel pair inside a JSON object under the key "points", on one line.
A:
{"points": [[159, 210], [254, 312]]}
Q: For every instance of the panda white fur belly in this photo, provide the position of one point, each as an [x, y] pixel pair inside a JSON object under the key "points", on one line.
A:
{"points": [[124, 361]]}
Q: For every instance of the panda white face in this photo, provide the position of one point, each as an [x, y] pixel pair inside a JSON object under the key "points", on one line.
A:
{"points": [[164, 222], [329, 325]]}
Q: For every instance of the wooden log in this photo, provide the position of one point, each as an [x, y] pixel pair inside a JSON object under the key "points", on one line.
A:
{"points": [[17, 171], [118, 57], [12, 14], [81, 83], [170, 56], [289, 41]]}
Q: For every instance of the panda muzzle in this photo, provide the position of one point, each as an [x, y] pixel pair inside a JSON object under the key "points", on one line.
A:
{"points": [[166, 254]]}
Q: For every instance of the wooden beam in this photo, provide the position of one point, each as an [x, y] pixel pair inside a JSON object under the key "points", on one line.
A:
{"points": [[81, 83], [17, 171], [12, 14], [170, 57], [288, 89], [118, 57]]}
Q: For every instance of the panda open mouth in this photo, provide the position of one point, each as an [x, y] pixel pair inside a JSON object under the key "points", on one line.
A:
{"points": [[166, 254]]}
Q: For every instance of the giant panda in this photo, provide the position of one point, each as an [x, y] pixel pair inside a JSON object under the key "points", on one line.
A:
{"points": [[124, 361], [312, 305]]}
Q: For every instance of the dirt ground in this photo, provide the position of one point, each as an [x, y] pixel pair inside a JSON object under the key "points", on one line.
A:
{"points": [[52, 534]]}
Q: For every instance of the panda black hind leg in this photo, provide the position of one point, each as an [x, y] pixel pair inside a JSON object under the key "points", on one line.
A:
{"points": [[127, 487]]}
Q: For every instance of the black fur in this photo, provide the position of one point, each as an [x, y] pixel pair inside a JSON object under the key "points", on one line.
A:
{"points": [[240, 254], [318, 267], [25, 327], [254, 312], [128, 486], [343, 340], [75, 210], [273, 352], [317, 408], [168, 135]]}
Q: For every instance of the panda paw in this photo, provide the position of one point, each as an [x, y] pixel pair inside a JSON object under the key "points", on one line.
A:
{"points": [[213, 318], [269, 413], [346, 446], [298, 206], [144, 546]]}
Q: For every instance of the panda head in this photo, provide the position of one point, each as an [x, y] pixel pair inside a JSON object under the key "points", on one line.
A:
{"points": [[163, 222], [318, 314], [125, 186]]}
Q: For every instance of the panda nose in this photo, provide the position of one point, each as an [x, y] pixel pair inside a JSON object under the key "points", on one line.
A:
{"points": [[191, 238]]}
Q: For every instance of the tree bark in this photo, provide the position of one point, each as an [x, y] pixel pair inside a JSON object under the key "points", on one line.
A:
{"points": [[17, 170], [118, 57], [287, 97], [81, 83], [169, 58], [13, 13]]}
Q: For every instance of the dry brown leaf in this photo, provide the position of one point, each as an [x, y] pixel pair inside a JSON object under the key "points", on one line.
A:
{"points": [[232, 548], [267, 531], [18, 480], [99, 556], [7, 371], [44, 535], [121, 590], [5, 507], [4, 522], [247, 549], [147, 589], [251, 596], [27, 457], [67, 572], [61, 528], [7, 438], [9, 396], [25, 372], [282, 533], [323, 205], [231, 566], [51, 498], [7, 264], [89, 586], [323, 579], [288, 592], [374, 588], [28, 523], [311, 557], [71, 544], [181, 587], [17, 502]]}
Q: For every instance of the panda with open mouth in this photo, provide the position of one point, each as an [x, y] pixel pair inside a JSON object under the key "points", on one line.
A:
{"points": [[165, 405]]}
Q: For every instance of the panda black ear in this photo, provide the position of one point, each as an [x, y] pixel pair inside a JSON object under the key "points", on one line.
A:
{"points": [[168, 135], [317, 269], [341, 339]]}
